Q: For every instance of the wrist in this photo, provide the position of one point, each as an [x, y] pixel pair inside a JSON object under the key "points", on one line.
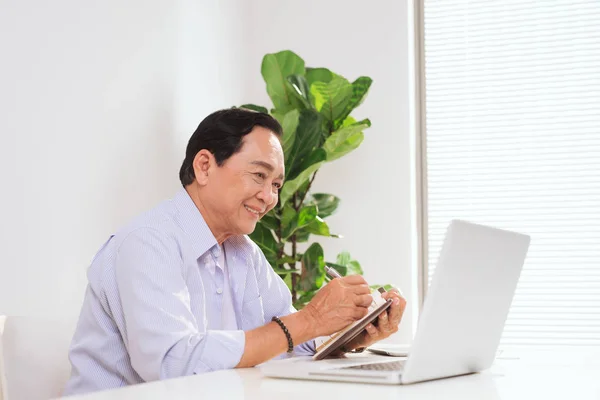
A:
{"points": [[309, 318], [299, 326]]}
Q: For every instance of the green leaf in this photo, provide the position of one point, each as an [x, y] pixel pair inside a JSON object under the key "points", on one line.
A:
{"points": [[286, 260], [290, 187], [289, 124], [318, 75], [275, 69], [316, 156], [318, 227], [284, 271], [326, 203], [300, 89], [288, 281], [313, 268], [304, 217], [308, 135], [343, 258], [304, 299], [303, 188], [387, 286], [354, 268], [341, 269], [365, 121], [288, 214], [332, 98], [360, 87], [263, 237], [343, 141], [302, 236], [278, 115], [349, 121], [254, 107], [270, 221], [301, 192], [271, 258]]}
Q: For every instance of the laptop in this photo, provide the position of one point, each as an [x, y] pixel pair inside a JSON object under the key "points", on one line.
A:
{"points": [[461, 322]]}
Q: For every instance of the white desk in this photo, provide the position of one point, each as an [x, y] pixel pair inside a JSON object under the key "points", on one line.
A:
{"points": [[534, 376]]}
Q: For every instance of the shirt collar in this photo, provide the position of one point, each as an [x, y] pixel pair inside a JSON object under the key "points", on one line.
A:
{"points": [[193, 224]]}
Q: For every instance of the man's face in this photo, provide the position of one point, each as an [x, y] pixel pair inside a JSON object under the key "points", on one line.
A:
{"points": [[247, 185]]}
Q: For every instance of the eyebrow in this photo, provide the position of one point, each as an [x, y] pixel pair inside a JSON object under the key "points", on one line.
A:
{"points": [[265, 165]]}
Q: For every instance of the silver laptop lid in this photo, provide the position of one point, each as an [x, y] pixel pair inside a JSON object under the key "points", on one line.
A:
{"points": [[467, 303]]}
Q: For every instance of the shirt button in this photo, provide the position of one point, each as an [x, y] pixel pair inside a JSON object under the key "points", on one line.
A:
{"points": [[219, 291]]}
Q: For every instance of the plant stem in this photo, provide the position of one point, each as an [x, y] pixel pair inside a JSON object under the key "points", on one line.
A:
{"points": [[307, 190], [278, 232], [294, 276], [293, 266]]}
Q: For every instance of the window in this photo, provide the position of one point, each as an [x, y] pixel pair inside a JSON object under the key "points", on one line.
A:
{"points": [[512, 133]]}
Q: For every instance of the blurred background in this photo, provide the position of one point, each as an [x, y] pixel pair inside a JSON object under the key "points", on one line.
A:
{"points": [[98, 100], [485, 110]]}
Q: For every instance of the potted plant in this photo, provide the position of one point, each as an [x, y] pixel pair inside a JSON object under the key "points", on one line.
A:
{"points": [[313, 106]]}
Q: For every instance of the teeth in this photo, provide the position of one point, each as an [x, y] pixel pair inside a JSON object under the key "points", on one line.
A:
{"points": [[251, 210]]}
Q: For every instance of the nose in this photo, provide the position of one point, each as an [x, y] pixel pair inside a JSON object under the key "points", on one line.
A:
{"points": [[267, 195]]}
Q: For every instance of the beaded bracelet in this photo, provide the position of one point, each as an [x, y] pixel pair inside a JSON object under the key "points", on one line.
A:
{"points": [[287, 334]]}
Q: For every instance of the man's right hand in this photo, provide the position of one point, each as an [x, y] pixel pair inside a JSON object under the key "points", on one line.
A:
{"points": [[338, 304]]}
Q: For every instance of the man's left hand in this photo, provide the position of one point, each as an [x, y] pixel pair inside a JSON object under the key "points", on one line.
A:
{"points": [[387, 322]]}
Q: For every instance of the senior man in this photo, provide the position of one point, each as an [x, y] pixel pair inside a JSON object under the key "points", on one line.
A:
{"points": [[182, 290]]}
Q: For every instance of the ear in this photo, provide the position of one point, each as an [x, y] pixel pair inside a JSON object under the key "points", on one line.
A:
{"points": [[203, 163]]}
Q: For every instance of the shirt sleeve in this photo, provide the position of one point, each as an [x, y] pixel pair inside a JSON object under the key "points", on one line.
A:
{"points": [[277, 300], [160, 332]]}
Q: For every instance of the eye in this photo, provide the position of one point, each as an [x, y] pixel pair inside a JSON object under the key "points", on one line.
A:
{"points": [[277, 185], [260, 175]]}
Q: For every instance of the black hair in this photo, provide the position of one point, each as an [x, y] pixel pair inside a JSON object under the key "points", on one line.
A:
{"points": [[222, 133]]}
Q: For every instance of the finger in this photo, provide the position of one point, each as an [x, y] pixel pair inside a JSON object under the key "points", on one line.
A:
{"points": [[360, 312], [396, 290], [392, 292], [354, 280], [397, 310], [372, 331], [385, 327], [361, 289], [391, 295], [363, 300], [383, 322]]}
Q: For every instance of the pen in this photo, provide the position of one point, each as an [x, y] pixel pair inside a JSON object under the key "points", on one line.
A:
{"points": [[332, 272]]}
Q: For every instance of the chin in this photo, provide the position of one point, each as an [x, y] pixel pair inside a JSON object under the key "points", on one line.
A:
{"points": [[247, 229]]}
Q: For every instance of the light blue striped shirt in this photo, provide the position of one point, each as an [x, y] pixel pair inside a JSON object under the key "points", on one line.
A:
{"points": [[153, 311]]}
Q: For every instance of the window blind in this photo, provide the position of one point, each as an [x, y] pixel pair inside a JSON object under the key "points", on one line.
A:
{"points": [[512, 103]]}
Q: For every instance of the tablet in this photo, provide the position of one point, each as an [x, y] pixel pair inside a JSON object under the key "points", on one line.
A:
{"points": [[344, 336]]}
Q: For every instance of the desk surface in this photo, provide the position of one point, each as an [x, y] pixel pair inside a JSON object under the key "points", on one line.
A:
{"points": [[538, 376]]}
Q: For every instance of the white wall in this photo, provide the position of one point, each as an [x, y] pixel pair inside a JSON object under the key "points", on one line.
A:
{"points": [[356, 38], [97, 101]]}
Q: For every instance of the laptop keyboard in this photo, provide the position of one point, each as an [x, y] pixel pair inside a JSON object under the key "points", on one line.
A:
{"points": [[384, 366]]}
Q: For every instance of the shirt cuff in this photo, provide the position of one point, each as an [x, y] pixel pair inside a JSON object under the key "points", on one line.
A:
{"points": [[222, 350], [310, 347]]}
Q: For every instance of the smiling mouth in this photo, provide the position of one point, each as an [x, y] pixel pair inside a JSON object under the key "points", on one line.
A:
{"points": [[253, 211]]}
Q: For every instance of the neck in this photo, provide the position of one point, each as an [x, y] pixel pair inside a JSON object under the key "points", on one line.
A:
{"points": [[219, 234]]}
